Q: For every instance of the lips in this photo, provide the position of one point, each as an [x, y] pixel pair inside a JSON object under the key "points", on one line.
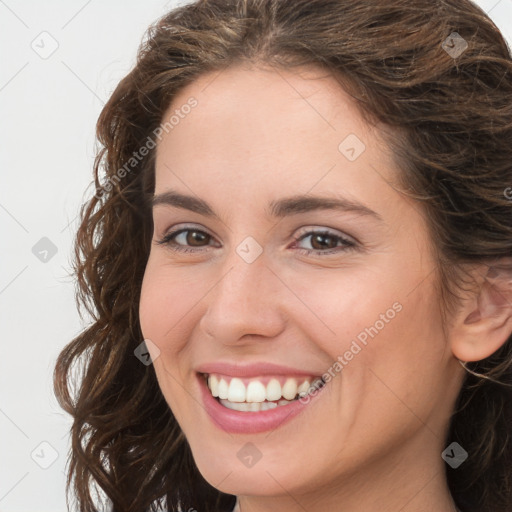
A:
{"points": [[259, 414], [252, 370]]}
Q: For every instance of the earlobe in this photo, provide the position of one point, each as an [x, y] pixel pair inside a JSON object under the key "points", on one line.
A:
{"points": [[484, 322]]}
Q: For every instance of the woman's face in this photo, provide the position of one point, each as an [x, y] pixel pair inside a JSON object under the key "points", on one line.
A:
{"points": [[274, 276]]}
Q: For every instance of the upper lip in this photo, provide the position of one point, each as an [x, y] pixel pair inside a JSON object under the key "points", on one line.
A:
{"points": [[251, 370]]}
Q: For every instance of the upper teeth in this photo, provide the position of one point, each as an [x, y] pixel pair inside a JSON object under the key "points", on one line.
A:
{"points": [[255, 390]]}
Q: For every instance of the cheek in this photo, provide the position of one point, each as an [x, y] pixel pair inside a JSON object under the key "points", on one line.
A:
{"points": [[383, 337], [167, 299], [338, 306], [397, 377], [152, 307], [165, 304]]}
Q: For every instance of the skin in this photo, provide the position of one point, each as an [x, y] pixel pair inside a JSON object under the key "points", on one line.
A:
{"points": [[373, 438]]}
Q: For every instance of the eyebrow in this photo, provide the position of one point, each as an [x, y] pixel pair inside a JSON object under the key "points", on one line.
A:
{"points": [[277, 208]]}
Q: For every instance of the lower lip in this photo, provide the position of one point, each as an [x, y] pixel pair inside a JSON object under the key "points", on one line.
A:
{"points": [[240, 422]]}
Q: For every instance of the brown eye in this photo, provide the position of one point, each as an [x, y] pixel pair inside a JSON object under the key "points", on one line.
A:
{"points": [[324, 243], [321, 241], [186, 240], [196, 238]]}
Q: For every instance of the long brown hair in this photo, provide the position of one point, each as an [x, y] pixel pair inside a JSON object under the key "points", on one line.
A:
{"points": [[451, 116]]}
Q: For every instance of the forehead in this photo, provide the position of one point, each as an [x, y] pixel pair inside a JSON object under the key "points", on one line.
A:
{"points": [[277, 106], [265, 129]]}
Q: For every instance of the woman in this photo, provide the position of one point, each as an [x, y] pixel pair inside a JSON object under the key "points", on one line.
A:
{"points": [[302, 218]]}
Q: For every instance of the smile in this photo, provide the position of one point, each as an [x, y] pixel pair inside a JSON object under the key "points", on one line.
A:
{"points": [[261, 393], [257, 404]]}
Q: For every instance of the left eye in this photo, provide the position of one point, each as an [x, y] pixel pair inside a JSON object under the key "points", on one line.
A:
{"points": [[325, 242], [193, 240]]}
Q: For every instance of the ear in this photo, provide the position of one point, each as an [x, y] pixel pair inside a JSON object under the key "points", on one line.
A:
{"points": [[484, 321]]}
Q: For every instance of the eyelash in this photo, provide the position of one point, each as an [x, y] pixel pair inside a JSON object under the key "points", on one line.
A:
{"points": [[348, 244]]}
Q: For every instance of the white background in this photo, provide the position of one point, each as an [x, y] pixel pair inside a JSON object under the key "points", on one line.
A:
{"points": [[48, 111]]}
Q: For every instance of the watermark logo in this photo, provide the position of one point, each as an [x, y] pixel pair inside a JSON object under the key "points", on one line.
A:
{"points": [[249, 455], [249, 250], [44, 455], [454, 455], [44, 250], [45, 45], [147, 352], [455, 45], [352, 147]]}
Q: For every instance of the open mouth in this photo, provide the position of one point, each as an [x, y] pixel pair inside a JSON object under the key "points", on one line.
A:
{"points": [[260, 393]]}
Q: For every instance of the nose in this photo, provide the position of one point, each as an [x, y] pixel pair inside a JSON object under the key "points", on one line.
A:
{"points": [[246, 302]]}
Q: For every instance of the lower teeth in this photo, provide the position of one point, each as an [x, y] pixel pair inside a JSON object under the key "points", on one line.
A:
{"points": [[254, 406]]}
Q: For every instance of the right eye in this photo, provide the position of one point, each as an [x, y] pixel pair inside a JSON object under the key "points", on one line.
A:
{"points": [[185, 239]]}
